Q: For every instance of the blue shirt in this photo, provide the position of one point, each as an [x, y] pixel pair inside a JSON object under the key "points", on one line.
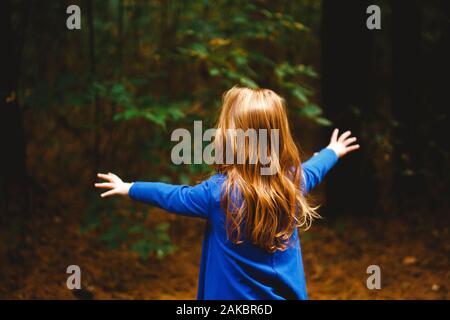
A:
{"points": [[236, 271]]}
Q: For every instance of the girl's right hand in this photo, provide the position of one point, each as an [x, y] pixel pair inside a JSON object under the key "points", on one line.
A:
{"points": [[115, 184]]}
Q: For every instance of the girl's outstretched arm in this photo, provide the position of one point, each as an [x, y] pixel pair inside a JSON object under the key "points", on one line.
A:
{"points": [[181, 199], [315, 169]]}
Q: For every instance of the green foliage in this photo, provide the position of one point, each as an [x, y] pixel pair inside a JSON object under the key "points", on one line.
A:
{"points": [[206, 46], [126, 230], [156, 114], [157, 241], [159, 65], [240, 52]]}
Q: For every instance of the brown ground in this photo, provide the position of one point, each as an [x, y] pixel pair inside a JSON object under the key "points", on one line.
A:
{"points": [[413, 255]]}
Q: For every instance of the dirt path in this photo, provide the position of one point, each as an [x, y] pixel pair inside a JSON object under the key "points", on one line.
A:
{"points": [[413, 256]]}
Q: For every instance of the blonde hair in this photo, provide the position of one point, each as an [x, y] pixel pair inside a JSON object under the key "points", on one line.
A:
{"points": [[265, 209]]}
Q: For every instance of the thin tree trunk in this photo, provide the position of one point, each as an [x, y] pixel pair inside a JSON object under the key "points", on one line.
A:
{"points": [[118, 76], [14, 199], [97, 110], [164, 44]]}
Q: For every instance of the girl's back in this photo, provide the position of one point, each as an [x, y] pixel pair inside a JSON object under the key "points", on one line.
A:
{"points": [[229, 270], [253, 205]]}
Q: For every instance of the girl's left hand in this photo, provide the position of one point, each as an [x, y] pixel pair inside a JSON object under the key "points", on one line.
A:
{"points": [[343, 144], [115, 184]]}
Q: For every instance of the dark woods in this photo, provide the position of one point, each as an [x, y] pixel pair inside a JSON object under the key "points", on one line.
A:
{"points": [[107, 97], [388, 85]]}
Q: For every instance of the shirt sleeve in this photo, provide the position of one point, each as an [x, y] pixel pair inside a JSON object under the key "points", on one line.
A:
{"points": [[181, 199], [315, 169]]}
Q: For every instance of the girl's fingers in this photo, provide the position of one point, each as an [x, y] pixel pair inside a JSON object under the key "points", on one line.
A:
{"points": [[334, 135], [344, 136], [105, 185], [113, 175], [108, 193], [352, 148], [349, 141], [105, 177]]}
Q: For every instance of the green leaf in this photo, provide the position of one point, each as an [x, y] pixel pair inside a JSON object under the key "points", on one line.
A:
{"points": [[248, 82], [158, 118], [311, 110], [300, 94], [214, 72], [309, 71], [199, 49], [323, 121]]}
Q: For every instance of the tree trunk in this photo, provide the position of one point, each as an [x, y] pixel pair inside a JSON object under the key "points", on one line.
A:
{"points": [[14, 199], [97, 110], [406, 95], [346, 85]]}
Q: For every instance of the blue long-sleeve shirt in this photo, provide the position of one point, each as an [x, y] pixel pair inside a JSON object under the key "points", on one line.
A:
{"points": [[236, 271]]}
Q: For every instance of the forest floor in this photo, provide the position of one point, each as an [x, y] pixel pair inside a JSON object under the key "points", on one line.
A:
{"points": [[413, 255]]}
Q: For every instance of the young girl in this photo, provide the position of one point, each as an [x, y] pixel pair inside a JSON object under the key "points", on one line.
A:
{"points": [[251, 248]]}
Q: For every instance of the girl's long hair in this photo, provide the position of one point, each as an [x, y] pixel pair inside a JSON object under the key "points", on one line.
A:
{"points": [[263, 209]]}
